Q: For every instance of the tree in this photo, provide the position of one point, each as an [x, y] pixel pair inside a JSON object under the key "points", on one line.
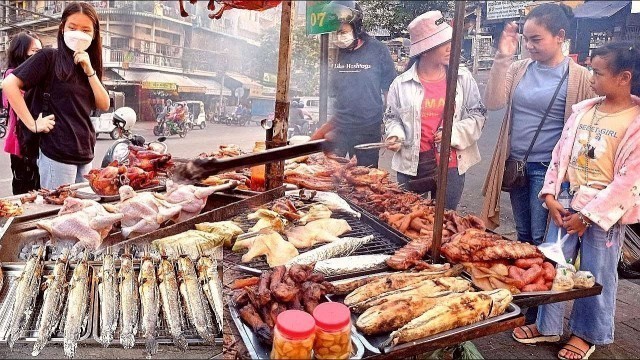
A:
{"points": [[305, 58], [395, 16]]}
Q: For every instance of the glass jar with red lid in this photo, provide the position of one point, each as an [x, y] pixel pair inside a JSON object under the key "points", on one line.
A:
{"points": [[333, 331], [293, 335]]}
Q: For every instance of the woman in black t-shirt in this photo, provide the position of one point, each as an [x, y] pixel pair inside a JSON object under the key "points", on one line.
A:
{"points": [[72, 75]]}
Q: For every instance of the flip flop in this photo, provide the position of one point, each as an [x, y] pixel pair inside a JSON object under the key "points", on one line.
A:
{"points": [[530, 339], [583, 355]]}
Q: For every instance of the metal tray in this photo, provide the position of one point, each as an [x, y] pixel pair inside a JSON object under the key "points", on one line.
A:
{"points": [[258, 350], [386, 241], [7, 299], [88, 193], [374, 343], [164, 337]]}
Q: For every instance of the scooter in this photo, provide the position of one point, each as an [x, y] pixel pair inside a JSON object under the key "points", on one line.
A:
{"points": [[119, 150], [303, 127], [168, 127]]}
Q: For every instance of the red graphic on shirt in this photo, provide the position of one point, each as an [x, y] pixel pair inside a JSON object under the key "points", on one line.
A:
{"points": [[431, 113]]}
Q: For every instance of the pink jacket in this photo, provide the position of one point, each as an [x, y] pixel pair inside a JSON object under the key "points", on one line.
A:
{"points": [[618, 202], [11, 144]]}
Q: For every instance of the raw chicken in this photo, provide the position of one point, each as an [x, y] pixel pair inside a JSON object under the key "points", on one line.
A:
{"points": [[267, 219], [277, 250], [192, 198], [323, 230], [143, 212], [85, 221]]}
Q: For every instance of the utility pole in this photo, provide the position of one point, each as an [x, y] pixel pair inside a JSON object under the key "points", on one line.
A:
{"points": [[476, 40]]}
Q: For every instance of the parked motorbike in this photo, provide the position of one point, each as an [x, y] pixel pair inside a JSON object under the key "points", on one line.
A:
{"points": [[238, 120], [119, 150]]}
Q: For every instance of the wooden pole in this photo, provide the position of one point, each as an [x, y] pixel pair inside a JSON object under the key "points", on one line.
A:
{"points": [[476, 41], [449, 109], [277, 135]]}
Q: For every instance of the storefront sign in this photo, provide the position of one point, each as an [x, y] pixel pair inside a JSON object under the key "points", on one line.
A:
{"points": [[270, 78], [505, 9], [318, 20], [155, 85]]}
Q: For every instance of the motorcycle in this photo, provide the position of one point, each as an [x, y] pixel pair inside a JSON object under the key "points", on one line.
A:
{"points": [[119, 150], [238, 120], [302, 127], [167, 126]]}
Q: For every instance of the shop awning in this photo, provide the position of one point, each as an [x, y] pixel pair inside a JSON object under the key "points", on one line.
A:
{"points": [[212, 87], [156, 80], [255, 88], [598, 9]]}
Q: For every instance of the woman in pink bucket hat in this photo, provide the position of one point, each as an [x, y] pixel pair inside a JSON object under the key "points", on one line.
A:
{"points": [[416, 108]]}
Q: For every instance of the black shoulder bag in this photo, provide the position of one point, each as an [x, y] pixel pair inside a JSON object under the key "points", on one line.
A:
{"points": [[28, 140], [515, 171]]}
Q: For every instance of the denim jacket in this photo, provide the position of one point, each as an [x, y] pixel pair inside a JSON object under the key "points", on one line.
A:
{"points": [[404, 121]]}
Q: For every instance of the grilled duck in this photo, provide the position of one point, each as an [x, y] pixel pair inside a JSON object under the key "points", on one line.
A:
{"points": [[129, 302], [149, 304], [171, 303], [26, 293], [77, 307], [194, 301], [53, 303], [424, 288], [109, 302], [453, 312]]}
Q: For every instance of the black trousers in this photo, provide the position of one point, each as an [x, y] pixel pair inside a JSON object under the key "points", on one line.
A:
{"points": [[26, 176], [346, 139]]}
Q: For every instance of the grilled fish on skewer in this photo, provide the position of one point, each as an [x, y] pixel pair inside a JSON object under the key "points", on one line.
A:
{"points": [[150, 303], [208, 275], [194, 301], [26, 293], [109, 300], [170, 302], [53, 303], [349, 264], [341, 247], [453, 312], [129, 302], [77, 307]]}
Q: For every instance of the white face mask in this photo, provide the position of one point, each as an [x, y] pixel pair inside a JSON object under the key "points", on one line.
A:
{"points": [[343, 41], [77, 40]]}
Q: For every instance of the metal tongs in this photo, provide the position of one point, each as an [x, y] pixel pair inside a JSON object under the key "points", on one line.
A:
{"points": [[377, 145]]}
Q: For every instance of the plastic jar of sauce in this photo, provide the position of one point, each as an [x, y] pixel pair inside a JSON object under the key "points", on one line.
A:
{"points": [[333, 331], [293, 335]]}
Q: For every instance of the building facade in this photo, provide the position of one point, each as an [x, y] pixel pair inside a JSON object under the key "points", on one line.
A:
{"points": [[152, 54]]}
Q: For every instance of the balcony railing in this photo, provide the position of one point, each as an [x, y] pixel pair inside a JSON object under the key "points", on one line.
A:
{"points": [[121, 56]]}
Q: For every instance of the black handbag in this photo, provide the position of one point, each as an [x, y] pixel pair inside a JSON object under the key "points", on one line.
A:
{"points": [[515, 171]]}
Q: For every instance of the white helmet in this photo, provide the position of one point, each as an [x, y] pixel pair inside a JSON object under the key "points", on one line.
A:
{"points": [[126, 116]]}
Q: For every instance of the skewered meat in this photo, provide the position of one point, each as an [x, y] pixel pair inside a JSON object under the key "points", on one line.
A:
{"points": [[220, 179], [360, 175], [85, 221], [108, 180], [323, 230], [277, 250], [477, 245], [224, 151], [311, 294], [149, 160], [300, 273], [304, 182], [408, 255], [191, 198], [287, 209], [264, 294], [10, 208]]}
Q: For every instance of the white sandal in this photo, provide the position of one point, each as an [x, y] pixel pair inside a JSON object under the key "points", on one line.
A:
{"points": [[530, 339]]}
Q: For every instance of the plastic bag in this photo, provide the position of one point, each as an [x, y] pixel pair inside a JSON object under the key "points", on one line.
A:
{"points": [[553, 251], [564, 278], [583, 280]]}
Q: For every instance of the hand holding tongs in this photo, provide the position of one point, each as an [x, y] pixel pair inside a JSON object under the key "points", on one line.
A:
{"points": [[377, 145]]}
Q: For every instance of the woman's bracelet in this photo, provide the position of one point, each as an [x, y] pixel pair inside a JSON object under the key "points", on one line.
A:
{"points": [[91, 74], [584, 220]]}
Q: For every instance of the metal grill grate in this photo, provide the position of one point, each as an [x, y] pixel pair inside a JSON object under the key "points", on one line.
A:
{"points": [[164, 337], [8, 297], [382, 243]]}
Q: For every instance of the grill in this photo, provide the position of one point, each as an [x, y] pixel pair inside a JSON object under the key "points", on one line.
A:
{"points": [[8, 297], [385, 240], [164, 337]]}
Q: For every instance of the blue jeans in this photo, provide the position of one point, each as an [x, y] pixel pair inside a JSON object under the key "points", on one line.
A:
{"points": [[54, 174], [529, 215], [455, 186], [592, 318]]}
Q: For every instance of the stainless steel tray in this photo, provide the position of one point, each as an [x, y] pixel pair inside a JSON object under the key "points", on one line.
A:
{"points": [[164, 337], [7, 298], [258, 350], [374, 343]]}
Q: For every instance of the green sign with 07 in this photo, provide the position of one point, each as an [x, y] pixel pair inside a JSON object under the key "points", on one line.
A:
{"points": [[318, 20]]}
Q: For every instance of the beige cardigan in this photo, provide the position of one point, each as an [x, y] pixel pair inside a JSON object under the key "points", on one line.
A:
{"points": [[504, 76]]}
